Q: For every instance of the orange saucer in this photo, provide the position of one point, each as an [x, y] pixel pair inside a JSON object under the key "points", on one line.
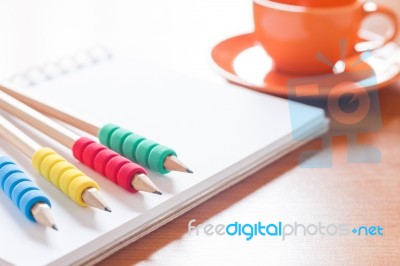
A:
{"points": [[241, 60]]}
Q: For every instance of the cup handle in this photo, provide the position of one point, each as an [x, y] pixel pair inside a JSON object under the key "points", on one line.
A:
{"points": [[370, 8]]}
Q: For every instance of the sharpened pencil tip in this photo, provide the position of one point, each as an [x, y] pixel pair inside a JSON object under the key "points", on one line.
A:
{"points": [[92, 197], [172, 163], [189, 171], [143, 183], [42, 213]]}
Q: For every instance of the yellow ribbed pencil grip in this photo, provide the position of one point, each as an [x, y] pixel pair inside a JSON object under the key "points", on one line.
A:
{"points": [[62, 174]]}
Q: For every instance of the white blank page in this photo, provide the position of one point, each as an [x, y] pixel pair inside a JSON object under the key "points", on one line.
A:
{"points": [[215, 129]]}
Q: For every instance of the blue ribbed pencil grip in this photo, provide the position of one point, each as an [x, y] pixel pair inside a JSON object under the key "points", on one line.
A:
{"points": [[19, 188]]}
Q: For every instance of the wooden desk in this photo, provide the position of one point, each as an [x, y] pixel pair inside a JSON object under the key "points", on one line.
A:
{"points": [[354, 194]]}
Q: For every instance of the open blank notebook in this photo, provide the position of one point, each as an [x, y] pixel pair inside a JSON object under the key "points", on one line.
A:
{"points": [[223, 132]]}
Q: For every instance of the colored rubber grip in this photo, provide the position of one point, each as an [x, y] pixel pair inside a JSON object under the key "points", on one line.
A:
{"points": [[19, 188], [71, 181], [135, 147], [107, 162]]}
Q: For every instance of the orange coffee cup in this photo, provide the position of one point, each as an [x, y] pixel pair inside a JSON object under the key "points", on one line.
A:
{"points": [[316, 3], [295, 36]]}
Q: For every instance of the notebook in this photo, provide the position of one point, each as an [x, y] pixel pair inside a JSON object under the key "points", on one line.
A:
{"points": [[221, 131]]}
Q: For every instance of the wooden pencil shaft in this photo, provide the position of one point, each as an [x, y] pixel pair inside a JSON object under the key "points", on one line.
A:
{"points": [[72, 120], [16, 137], [37, 120]]}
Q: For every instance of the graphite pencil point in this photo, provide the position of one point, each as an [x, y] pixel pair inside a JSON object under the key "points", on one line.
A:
{"points": [[142, 182], [42, 214], [93, 198], [54, 226], [157, 192], [189, 171], [172, 163], [107, 209]]}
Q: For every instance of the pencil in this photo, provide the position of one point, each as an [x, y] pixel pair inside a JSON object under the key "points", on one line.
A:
{"points": [[62, 174], [131, 145], [29, 199], [115, 167]]}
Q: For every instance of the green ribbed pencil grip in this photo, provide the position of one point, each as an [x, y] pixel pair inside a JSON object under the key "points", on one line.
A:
{"points": [[135, 147]]}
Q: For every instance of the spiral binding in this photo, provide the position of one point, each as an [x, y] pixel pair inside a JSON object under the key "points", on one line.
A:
{"points": [[63, 66]]}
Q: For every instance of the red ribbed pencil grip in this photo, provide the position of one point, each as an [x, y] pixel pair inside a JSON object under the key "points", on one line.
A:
{"points": [[107, 162]]}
